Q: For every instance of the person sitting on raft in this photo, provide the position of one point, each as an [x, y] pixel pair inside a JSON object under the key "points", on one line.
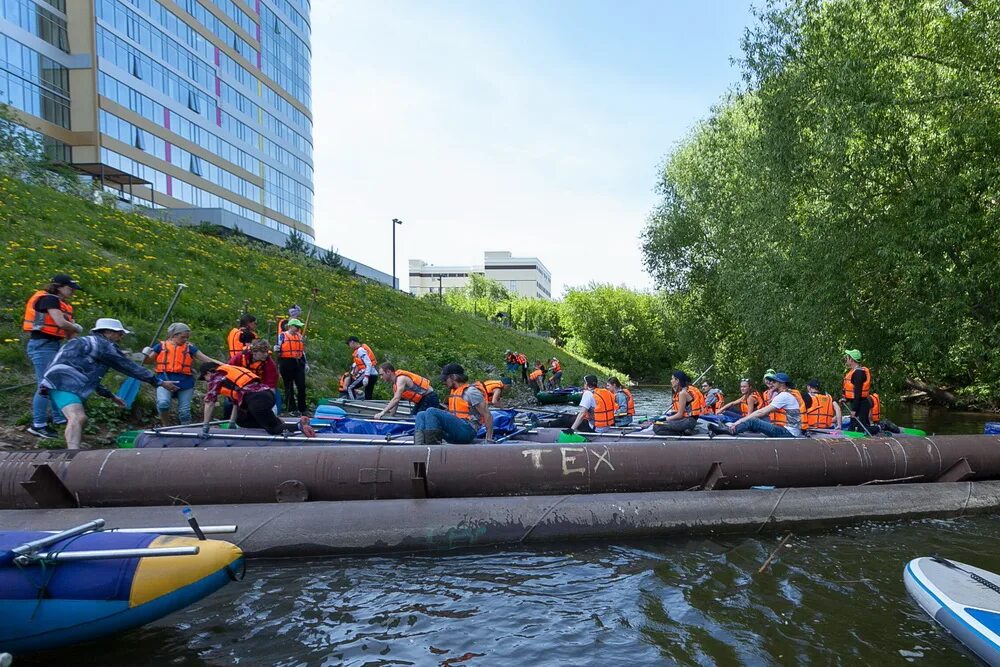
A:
{"points": [[492, 390], [713, 398], [624, 404], [823, 412], [78, 368], [174, 358], [597, 408], [407, 386], [688, 404], [460, 423], [786, 408], [257, 359], [749, 400], [253, 401]]}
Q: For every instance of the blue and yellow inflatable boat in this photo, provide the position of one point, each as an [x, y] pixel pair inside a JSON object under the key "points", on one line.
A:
{"points": [[77, 590]]}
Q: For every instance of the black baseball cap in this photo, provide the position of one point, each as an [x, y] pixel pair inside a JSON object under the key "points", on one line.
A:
{"points": [[63, 279], [452, 369]]}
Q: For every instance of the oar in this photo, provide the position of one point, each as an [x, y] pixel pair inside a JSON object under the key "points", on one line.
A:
{"points": [[130, 387], [511, 435], [703, 374], [854, 418]]}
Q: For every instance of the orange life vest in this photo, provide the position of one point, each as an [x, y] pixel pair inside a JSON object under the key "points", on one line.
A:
{"points": [[173, 358], [42, 321], [535, 374], [745, 406], [820, 413], [236, 379], [696, 406], [629, 403], [488, 387], [556, 366], [292, 346], [358, 363], [720, 400], [233, 341], [875, 416], [521, 359], [780, 417], [458, 406], [345, 381], [604, 410], [866, 388], [421, 386]]}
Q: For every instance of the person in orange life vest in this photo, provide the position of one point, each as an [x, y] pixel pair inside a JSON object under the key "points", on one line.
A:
{"points": [[253, 400], [783, 403], [522, 362], [687, 405], [77, 371], [293, 366], [257, 359], [492, 390], [624, 403], [823, 412], [365, 368], [556, 381], [749, 400], [242, 335], [597, 408], [407, 386], [713, 398], [459, 424], [536, 379], [511, 360], [857, 388], [344, 383], [48, 316], [174, 359]]}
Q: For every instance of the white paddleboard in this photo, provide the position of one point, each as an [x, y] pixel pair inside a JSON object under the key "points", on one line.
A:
{"points": [[962, 598]]}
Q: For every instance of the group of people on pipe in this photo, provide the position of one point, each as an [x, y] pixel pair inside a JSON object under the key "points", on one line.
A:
{"points": [[517, 362]]}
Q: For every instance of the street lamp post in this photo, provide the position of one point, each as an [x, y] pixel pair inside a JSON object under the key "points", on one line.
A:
{"points": [[395, 221], [440, 290]]}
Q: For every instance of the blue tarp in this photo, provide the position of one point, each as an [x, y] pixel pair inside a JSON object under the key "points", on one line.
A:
{"points": [[352, 425]]}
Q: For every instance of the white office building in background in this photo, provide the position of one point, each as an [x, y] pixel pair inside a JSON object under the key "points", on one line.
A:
{"points": [[523, 276]]}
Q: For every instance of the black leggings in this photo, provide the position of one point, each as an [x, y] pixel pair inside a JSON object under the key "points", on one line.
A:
{"points": [[255, 412], [293, 375]]}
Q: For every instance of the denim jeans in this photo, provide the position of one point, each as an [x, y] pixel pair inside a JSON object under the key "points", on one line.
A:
{"points": [[427, 402], [42, 352], [456, 431], [183, 396], [764, 427]]}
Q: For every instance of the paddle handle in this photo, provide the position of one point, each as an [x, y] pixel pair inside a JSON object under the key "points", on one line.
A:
{"points": [[166, 315]]}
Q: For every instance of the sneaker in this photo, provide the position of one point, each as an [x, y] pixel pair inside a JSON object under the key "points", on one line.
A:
{"points": [[42, 431]]}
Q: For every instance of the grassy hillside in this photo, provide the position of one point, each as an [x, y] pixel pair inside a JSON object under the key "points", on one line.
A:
{"points": [[130, 266]]}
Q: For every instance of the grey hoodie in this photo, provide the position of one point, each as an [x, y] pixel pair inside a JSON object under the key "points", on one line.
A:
{"points": [[82, 363]]}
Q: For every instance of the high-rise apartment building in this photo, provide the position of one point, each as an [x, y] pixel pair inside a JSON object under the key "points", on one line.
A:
{"points": [[181, 105]]}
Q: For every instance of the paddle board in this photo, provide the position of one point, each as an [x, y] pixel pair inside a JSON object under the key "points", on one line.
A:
{"points": [[962, 598]]}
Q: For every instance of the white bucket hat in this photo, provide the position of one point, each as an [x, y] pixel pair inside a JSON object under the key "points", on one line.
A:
{"points": [[109, 324]]}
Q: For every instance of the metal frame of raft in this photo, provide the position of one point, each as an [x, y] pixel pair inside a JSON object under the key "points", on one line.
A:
{"points": [[385, 526]]}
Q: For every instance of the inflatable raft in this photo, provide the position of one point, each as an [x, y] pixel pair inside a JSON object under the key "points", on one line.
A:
{"points": [[569, 395], [84, 583]]}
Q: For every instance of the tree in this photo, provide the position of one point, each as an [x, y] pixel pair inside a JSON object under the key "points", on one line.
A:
{"points": [[296, 243], [331, 258]]}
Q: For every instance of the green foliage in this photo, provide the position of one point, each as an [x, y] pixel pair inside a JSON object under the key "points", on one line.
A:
{"points": [[628, 329], [296, 243], [130, 266], [331, 259], [846, 198]]}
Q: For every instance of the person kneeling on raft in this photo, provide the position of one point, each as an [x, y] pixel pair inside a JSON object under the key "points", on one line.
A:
{"points": [[786, 408], [409, 386], [253, 401], [459, 424]]}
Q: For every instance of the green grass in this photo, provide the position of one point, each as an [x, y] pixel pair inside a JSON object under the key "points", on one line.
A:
{"points": [[130, 266]]}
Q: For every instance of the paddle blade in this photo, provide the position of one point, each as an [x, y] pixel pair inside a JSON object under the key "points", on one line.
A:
{"points": [[128, 391]]}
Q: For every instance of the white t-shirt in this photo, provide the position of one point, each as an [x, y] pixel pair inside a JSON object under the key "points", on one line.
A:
{"points": [[793, 414], [362, 354], [589, 403]]}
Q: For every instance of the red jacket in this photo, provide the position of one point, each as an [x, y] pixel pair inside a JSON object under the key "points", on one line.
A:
{"points": [[267, 370]]}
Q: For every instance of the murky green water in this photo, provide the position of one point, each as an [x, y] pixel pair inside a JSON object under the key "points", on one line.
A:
{"points": [[832, 598]]}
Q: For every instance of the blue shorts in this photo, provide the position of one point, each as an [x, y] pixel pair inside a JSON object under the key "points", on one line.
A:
{"points": [[64, 398]]}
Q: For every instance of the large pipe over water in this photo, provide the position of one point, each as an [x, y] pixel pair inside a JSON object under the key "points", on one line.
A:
{"points": [[381, 526], [108, 478]]}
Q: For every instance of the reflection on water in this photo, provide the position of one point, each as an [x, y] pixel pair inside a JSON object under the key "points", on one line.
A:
{"points": [[832, 598]]}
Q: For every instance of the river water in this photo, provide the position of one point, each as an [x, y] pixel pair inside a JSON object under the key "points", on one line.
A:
{"points": [[832, 597]]}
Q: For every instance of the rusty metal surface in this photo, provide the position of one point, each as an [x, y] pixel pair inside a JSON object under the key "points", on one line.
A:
{"points": [[366, 527], [107, 478]]}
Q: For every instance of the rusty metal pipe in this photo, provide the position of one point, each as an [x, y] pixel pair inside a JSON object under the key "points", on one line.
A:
{"points": [[351, 472]]}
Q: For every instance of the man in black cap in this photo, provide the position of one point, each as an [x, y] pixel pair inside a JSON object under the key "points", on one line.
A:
{"points": [[459, 424], [48, 316]]}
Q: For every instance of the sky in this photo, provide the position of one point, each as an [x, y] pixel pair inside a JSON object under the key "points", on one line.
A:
{"points": [[535, 127]]}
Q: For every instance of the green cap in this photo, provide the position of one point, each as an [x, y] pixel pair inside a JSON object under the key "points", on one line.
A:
{"points": [[770, 373], [853, 354], [294, 323]]}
